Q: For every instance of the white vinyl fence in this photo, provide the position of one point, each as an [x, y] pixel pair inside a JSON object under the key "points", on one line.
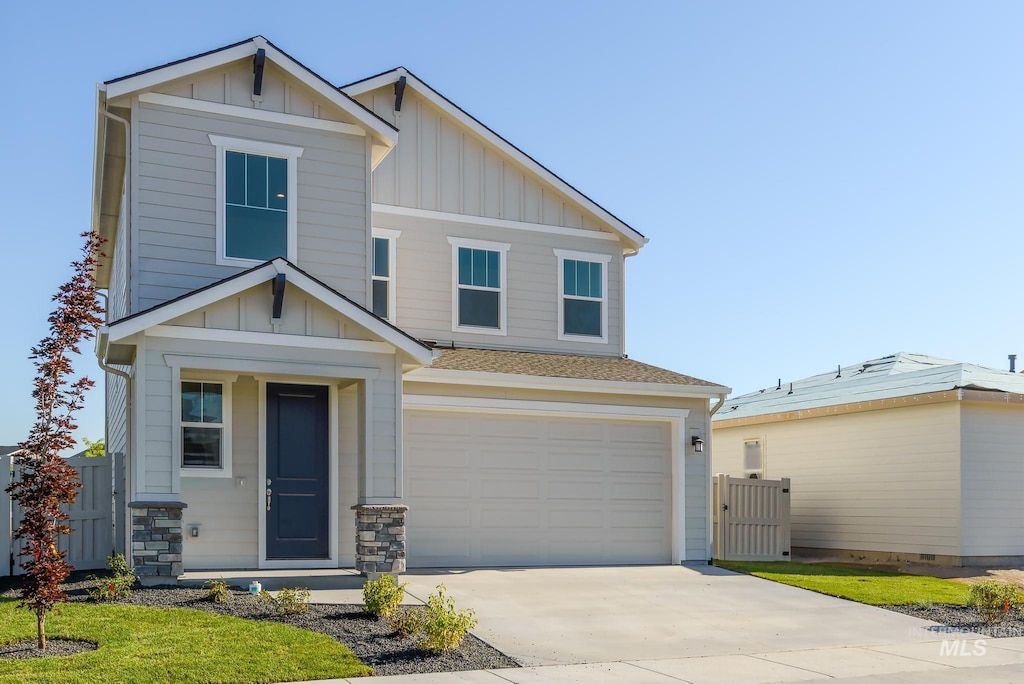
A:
{"points": [[751, 519], [90, 516]]}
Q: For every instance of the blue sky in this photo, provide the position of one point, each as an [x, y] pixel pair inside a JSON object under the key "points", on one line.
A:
{"points": [[822, 183]]}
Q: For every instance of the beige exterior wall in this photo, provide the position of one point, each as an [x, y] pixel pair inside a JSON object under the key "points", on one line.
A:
{"points": [[992, 473], [883, 481]]}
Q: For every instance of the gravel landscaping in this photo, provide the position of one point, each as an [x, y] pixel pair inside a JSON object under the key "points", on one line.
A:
{"points": [[964, 619], [54, 647], [370, 639]]}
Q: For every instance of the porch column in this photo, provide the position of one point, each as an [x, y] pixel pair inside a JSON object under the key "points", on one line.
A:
{"points": [[156, 540], [380, 539]]}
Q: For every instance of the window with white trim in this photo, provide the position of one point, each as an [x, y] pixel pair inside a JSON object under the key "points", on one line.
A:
{"points": [[383, 296], [582, 296], [205, 419], [479, 286], [256, 194]]}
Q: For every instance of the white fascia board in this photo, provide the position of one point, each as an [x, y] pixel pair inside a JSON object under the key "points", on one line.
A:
{"points": [[147, 81], [260, 275], [634, 238], [449, 217], [429, 402], [269, 339], [482, 379], [171, 72], [250, 113], [387, 134], [197, 300], [359, 316]]}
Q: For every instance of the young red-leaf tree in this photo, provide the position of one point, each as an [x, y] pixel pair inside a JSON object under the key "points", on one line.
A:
{"points": [[46, 481]]}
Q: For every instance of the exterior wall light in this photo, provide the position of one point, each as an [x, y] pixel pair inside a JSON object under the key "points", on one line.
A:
{"points": [[698, 444]]}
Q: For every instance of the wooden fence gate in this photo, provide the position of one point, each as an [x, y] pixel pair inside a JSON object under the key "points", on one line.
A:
{"points": [[751, 519], [91, 516]]}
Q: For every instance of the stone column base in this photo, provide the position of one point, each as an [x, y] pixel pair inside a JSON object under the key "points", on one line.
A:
{"points": [[156, 540], [380, 539]]}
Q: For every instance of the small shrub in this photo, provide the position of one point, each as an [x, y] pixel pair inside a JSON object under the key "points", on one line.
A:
{"points": [[993, 600], [443, 627], [381, 597], [217, 591], [407, 623], [288, 601], [118, 586], [924, 604]]}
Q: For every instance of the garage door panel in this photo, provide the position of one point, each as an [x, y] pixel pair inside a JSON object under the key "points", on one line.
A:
{"points": [[509, 488], [637, 491], [584, 461], [510, 518], [525, 490], [440, 487], [585, 491], [509, 459]]}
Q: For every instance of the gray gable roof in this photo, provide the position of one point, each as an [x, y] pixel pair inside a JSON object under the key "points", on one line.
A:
{"points": [[897, 375]]}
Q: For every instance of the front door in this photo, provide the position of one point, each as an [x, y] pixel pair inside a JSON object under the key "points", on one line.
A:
{"points": [[298, 472]]}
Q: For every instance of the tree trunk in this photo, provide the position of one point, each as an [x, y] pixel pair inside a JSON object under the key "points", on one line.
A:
{"points": [[41, 625]]}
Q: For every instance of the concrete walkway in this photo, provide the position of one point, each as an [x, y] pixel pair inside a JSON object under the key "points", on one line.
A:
{"points": [[665, 624]]}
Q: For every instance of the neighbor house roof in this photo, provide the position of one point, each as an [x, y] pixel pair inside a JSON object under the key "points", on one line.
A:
{"points": [[897, 375], [571, 366]]}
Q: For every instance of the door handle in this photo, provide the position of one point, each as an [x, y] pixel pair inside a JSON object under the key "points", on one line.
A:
{"points": [[269, 492]]}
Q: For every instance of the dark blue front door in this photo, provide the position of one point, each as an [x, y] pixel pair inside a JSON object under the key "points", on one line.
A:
{"points": [[298, 472]]}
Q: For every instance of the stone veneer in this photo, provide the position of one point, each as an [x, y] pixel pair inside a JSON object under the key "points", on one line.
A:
{"points": [[156, 538], [380, 539]]}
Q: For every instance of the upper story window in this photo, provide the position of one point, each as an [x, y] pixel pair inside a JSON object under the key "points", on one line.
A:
{"points": [[582, 296], [479, 290], [256, 193], [205, 427], [383, 294]]}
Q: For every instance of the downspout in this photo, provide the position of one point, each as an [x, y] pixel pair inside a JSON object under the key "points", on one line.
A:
{"points": [[127, 441], [622, 299], [710, 527]]}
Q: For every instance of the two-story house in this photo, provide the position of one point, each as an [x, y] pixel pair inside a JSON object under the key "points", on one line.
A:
{"points": [[356, 326]]}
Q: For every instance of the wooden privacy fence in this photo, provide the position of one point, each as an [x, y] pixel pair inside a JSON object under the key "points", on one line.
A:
{"points": [[751, 519], [91, 516]]}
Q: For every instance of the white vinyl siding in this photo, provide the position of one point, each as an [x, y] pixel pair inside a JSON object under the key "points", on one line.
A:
{"points": [[489, 489], [883, 481], [992, 472], [176, 203]]}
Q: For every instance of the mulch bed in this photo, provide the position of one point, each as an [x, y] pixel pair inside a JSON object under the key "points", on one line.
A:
{"points": [[370, 639]]}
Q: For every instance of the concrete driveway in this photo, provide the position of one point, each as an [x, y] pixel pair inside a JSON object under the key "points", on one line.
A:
{"points": [[557, 616]]}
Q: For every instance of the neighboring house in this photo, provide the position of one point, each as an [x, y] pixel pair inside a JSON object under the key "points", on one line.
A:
{"points": [[906, 457], [323, 299]]}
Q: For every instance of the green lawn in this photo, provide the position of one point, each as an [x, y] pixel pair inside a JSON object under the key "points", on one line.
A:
{"points": [[139, 644], [874, 587]]}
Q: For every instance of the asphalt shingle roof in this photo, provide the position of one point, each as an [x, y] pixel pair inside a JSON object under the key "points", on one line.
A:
{"points": [[896, 375], [613, 368]]}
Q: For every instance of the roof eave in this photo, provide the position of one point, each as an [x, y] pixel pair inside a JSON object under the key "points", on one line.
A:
{"points": [[545, 382], [634, 239]]}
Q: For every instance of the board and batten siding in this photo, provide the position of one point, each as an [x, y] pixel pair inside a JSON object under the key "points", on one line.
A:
{"points": [[992, 473], [174, 163], [882, 481], [438, 165], [424, 284]]}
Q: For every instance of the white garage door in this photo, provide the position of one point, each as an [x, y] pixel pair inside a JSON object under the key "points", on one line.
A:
{"points": [[486, 489]]}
